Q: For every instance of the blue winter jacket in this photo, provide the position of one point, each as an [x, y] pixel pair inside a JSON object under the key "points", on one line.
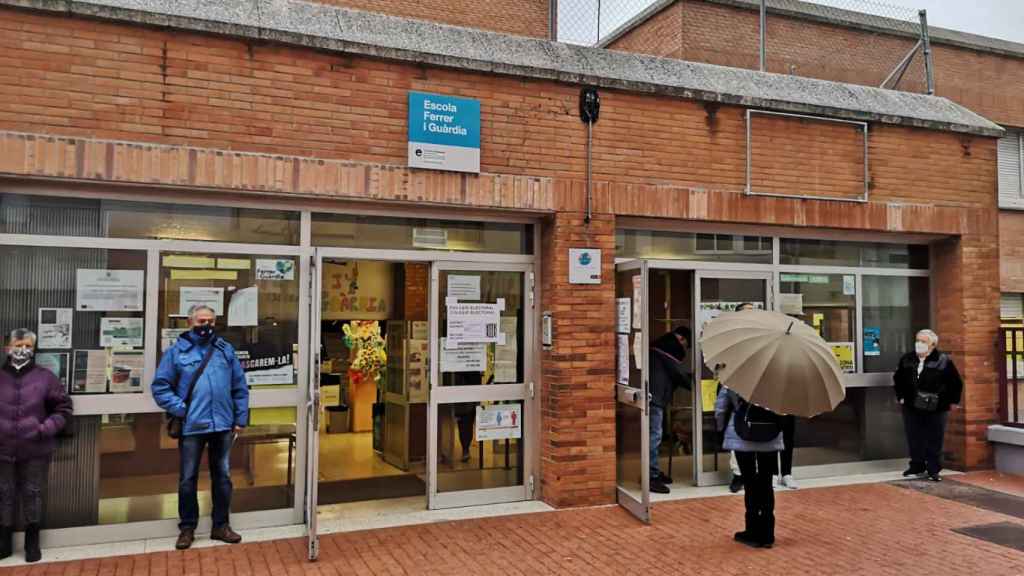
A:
{"points": [[220, 399]]}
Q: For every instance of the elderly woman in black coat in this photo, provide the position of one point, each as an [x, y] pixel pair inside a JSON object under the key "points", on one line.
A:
{"points": [[927, 384]]}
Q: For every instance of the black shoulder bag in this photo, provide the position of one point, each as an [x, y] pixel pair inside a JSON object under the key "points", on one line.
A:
{"points": [[175, 424], [929, 401]]}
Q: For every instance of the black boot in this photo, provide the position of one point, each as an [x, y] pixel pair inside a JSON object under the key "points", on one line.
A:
{"points": [[32, 551], [6, 541]]}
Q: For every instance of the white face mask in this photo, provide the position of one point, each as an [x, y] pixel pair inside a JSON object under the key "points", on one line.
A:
{"points": [[21, 355], [921, 348]]}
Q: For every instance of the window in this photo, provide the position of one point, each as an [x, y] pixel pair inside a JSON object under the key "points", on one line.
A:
{"points": [[1011, 307], [416, 234], [827, 302], [895, 309], [853, 254], [87, 307], [1011, 167], [690, 246]]}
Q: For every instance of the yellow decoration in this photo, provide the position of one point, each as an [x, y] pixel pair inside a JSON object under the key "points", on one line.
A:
{"points": [[369, 356]]}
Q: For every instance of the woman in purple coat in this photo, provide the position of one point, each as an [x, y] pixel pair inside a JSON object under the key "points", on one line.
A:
{"points": [[34, 407]]}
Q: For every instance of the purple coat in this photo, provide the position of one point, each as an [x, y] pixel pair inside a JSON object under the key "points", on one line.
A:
{"points": [[33, 408]]}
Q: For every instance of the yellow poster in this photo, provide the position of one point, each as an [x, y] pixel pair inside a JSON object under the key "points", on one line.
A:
{"points": [[843, 351], [708, 394], [357, 290]]}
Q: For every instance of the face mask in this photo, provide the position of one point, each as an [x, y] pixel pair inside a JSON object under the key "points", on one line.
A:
{"points": [[921, 347], [21, 354], [203, 332]]}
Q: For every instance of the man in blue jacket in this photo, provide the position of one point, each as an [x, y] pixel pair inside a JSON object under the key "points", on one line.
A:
{"points": [[218, 410]]}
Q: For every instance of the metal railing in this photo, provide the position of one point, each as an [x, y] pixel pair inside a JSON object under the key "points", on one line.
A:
{"points": [[1011, 375], [892, 51]]}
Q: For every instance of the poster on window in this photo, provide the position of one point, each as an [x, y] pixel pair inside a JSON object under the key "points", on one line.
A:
{"points": [[109, 290], [276, 269], [465, 357], [54, 330], [499, 422], [90, 372], [464, 287], [266, 366], [475, 323], [623, 359], [56, 362], [416, 373], [843, 351], [201, 296], [126, 371], [872, 341], [121, 332]]}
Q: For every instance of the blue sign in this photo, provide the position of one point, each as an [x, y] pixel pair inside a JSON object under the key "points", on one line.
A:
{"points": [[444, 132], [872, 342]]}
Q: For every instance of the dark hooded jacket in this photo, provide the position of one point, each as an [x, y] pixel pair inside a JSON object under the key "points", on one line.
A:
{"points": [[34, 407], [939, 376], [668, 371]]}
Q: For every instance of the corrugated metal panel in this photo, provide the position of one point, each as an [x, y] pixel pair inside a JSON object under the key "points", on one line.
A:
{"points": [[51, 216], [1010, 169], [73, 492], [1011, 306]]}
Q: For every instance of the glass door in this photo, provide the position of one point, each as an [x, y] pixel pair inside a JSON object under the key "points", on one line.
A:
{"points": [[719, 292], [313, 402], [632, 436], [479, 448]]}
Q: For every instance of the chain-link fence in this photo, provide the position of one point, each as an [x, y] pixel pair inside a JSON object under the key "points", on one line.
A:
{"points": [[857, 41]]}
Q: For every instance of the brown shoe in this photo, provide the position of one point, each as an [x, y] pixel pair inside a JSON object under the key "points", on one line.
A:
{"points": [[185, 539], [225, 534]]}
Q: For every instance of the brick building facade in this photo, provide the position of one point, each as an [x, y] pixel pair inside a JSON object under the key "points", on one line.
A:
{"points": [[134, 104]]}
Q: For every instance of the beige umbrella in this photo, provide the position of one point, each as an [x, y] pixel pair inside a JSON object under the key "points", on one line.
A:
{"points": [[774, 361]]}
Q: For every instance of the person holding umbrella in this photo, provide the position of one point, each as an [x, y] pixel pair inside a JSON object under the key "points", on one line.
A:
{"points": [[927, 384], [769, 365]]}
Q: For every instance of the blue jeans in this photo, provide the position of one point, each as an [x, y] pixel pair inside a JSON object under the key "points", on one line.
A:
{"points": [[190, 449], [656, 415]]}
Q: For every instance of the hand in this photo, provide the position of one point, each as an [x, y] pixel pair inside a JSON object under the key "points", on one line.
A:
{"points": [[237, 429]]}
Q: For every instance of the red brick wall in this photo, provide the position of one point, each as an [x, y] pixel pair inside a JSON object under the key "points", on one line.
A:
{"points": [[522, 18], [663, 35], [984, 82], [577, 397], [416, 287]]}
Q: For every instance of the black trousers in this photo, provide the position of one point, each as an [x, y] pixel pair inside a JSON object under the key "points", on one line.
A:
{"points": [[757, 469], [788, 429], [925, 433]]}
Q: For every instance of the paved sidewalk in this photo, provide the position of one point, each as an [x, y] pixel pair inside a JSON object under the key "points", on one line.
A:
{"points": [[877, 529]]}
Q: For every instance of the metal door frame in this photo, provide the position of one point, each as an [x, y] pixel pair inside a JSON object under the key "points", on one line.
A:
{"points": [[522, 391], [640, 399], [721, 477]]}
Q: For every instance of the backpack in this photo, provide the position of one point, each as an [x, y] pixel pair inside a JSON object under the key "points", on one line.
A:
{"points": [[756, 424]]}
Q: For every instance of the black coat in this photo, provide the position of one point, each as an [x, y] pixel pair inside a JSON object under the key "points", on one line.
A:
{"points": [[667, 374], [939, 376]]}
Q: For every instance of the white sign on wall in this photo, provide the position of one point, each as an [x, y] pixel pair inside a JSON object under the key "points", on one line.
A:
{"points": [[584, 266]]}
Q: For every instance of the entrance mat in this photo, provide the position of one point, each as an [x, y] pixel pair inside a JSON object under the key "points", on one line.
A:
{"points": [[968, 494], [1002, 533], [380, 488]]}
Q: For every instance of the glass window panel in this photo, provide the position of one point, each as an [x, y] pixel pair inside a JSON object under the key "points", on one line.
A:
{"points": [[894, 310], [123, 468], [418, 234], [867, 425], [96, 351], [828, 303], [26, 214], [855, 254], [502, 363], [257, 304], [476, 448], [689, 246]]}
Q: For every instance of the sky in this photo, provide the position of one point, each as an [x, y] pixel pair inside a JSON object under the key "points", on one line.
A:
{"points": [[996, 18]]}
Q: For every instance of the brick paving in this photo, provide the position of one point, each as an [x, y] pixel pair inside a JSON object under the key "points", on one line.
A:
{"points": [[868, 529], [1006, 483]]}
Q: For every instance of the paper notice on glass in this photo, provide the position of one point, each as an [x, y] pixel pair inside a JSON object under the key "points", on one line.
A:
{"points": [[499, 421], [109, 290], [201, 296], [623, 354], [638, 348], [477, 323], [243, 310], [275, 269], [280, 375], [126, 371], [843, 351], [56, 362], [54, 329], [234, 263], [623, 315], [792, 304], [708, 395], [90, 374], [637, 300], [849, 285], [506, 354], [168, 336], [464, 287], [466, 357], [872, 341], [121, 332], [416, 372]]}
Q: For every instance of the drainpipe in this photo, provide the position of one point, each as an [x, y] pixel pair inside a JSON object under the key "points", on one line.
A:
{"points": [[590, 107]]}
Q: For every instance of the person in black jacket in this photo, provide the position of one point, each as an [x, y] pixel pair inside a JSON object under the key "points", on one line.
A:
{"points": [[667, 373], [927, 383]]}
